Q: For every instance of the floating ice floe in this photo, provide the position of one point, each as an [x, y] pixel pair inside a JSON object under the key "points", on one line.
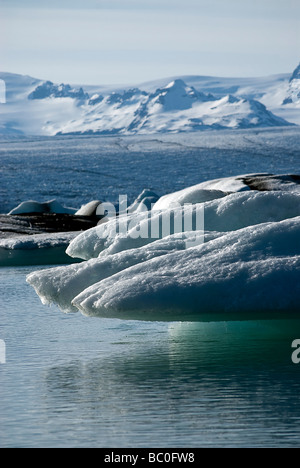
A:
{"points": [[250, 273], [229, 213], [61, 285], [39, 233], [31, 206], [242, 183], [37, 249], [244, 263], [90, 209], [143, 202]]}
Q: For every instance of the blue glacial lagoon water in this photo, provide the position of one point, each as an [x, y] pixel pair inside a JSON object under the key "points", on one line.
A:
{"points": [[78, 170], [70, 381]]}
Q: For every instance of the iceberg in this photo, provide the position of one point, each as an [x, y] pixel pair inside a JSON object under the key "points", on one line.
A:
{"points": [[90, 209], [61, 285], [36, 249], [36, 233], [31, 206], [243, 263], [144, 202], [230, 213], [248, 274], [226, 185], [192, 195]]}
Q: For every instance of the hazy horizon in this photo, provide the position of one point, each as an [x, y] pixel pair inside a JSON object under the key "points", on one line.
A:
{"points": [[107, 42]]}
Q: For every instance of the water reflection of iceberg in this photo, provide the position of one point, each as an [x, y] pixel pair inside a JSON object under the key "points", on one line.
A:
{"points": [[206, 385]]}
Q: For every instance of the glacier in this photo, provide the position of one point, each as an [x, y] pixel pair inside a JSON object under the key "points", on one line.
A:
{"points": [[246, 266]]}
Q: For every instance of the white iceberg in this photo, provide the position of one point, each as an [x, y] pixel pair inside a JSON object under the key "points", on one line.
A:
{"points": [[61, 285], [236, 257], [220, 187], [90, 209], [191, 195], [144, 202], [233, 212], [37, 249], [31, 206], [249, 273]]}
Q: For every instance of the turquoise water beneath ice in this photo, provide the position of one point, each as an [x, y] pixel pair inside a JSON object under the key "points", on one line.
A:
{"points": [[70, 381]]}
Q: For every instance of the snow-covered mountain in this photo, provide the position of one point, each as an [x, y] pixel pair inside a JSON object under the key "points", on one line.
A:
{"points": [[293, 92], [36, 107], [50, 90], [178, 107], [175, 107]]}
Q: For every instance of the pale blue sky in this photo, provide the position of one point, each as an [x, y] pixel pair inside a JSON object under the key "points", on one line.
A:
{"points": [[131, 41]]}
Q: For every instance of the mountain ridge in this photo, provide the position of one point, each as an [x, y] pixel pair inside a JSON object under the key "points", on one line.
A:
{"points": [[187, 103]]}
